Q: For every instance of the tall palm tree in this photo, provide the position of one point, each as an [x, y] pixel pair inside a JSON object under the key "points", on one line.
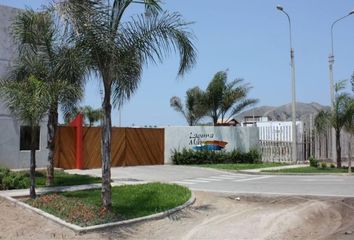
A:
{"points": [[46, 53], [349, 127], [336, 118], [117, 51], [194, 108], [222, 97]]}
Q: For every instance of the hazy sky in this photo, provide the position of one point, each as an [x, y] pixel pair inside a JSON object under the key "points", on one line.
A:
{"points": [[251, 39]]}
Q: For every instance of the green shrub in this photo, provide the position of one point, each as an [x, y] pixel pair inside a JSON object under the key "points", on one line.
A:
{"points": [[12, 180], [323, 165], [313, 162], [190, 157], [332, 165]]}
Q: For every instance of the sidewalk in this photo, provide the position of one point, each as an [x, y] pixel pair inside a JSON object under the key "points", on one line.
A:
{"points": [[43, 190], [258, 170]]}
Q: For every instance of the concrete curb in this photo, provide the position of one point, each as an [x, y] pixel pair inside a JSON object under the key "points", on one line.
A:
{"points": [[80, 230], [294, 174]]}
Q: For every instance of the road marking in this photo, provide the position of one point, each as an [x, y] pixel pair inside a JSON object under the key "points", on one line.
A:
{"points": [[224, 178], [209, 179], [251, 179], [195, 180], [230, 175], [181, 182], [321, 180]]}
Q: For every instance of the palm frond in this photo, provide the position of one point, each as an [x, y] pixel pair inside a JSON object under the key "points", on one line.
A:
{"points": [[27, 100], [243, 105], [323, 121], [153, 38], [176, 104]]}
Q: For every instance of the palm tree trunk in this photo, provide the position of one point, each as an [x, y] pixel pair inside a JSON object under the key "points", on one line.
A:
{"points": [[350, 155], [52, 126], [338, 149], [33, 163], [215, 119], [106, 192]]}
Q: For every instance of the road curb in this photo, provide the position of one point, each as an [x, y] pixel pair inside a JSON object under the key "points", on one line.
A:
{"points": [[294, 174], [82, 230]]}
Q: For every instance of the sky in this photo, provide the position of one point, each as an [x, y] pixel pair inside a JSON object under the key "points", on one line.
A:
{"points": [[250, 38]]}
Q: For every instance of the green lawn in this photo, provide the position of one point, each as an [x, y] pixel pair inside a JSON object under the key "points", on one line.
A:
{"points": [[310, 170], [129, 201], [62, 178], [240, 166]]}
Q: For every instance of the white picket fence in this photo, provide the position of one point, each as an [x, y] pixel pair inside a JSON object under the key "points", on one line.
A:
{"points": [[309, 144]]}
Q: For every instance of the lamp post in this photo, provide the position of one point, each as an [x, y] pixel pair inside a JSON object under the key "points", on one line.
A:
{"points": [[293, 90], [331, 83]]}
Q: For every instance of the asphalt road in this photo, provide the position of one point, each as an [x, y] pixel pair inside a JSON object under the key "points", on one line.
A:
{"points": [[203, 179]]}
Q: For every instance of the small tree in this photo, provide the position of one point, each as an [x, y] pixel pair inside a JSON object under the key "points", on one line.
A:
{"points": [[194, 108], [222, 97], [28, 101], [336, 118], [45, 52]]}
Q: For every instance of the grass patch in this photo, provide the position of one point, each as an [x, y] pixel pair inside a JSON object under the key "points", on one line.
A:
{"points": [[310, 170], [62, 178], [129, 201], [240, 166]]}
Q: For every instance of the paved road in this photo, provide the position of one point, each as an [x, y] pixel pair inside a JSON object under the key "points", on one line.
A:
{"points": [[203, 179]]}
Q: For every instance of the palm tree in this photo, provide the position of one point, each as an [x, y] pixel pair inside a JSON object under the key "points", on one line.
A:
{"points": [[222, 97], [349, 128], [29, 100], [48, 55], [91, 115], [194, 108], [117, 51], [336, 118]]}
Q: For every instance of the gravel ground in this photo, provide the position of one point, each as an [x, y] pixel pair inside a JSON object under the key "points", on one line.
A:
{"points": [[213, 216]]}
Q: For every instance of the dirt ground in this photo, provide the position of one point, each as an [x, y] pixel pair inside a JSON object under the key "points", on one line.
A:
{"points": [[213, 216]]}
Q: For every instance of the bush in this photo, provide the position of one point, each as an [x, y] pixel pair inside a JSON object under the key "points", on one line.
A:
{"points": [[12, 180], [332, 165], [188, 157], [323, 165], [313, 162]]}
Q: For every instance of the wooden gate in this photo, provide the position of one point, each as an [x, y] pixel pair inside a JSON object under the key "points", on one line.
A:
{"points": [[130, 147]]}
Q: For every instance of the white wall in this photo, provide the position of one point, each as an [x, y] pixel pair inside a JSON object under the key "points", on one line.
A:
{"points": [[10, 154], [240, 138]]}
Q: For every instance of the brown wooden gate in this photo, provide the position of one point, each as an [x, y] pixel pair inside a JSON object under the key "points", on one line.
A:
{"points": [[130, 147]]}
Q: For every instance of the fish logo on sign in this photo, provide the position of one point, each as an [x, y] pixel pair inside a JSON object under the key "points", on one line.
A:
{"points": [[211, 145]]}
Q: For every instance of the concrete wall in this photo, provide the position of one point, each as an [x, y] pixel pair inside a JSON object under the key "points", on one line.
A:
{"points": [[240, 138], [7, 46], [10, 154]]}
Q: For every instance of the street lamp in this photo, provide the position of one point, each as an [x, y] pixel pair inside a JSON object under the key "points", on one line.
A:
{"points": [[331, 82], [293, 90]]}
